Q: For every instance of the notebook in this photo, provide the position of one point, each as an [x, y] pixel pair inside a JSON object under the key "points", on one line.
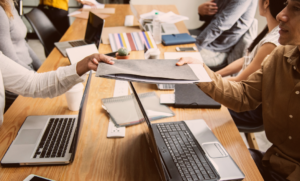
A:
{"points": [[132, 41], [122, 110], [190, 96], [177, 39]]}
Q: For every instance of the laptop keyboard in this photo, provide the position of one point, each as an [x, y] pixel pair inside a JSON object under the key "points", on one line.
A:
{"points": [[77, 43], [55, 139], [166, 86], [189, 159]]}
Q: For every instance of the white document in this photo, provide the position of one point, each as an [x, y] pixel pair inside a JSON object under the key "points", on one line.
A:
{"points": [[74, 13], [198, 69], [152, 114], [78, 53], [151, 14], [167, 99], [98, 5], [171, 18], [178, 55]]}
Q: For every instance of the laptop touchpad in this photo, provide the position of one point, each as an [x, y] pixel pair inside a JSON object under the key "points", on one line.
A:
{"points": [[27, 136], [214, 150]]}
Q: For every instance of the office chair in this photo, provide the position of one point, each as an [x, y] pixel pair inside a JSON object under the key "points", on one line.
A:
{"points": [[249, 133], [44, 29]]}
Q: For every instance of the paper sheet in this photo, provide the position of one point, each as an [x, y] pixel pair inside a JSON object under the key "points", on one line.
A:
{"points": [[151, 14], [98, 5], [85, 15], [178, 55], [78, 53], [171, 18], [101, 11]]}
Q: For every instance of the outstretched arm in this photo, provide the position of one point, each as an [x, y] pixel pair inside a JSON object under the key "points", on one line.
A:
{"points": [[28, 83]]}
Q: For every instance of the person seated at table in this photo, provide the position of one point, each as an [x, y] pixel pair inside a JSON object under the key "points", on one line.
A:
{"points": [[262, 46], [276, 86], [13, 44], [57, 12], [222, 31], [19, 80]]}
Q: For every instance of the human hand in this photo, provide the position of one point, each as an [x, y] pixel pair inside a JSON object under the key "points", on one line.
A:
{"points": [[91, 63], [208, 8], [188, 60]]}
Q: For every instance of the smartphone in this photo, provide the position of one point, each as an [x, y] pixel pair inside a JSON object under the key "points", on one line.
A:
{"points": [[182, 49], [33, 177], [112, 54]]}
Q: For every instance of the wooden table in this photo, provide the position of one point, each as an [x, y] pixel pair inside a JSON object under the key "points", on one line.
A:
{"points": [[100, 158]]}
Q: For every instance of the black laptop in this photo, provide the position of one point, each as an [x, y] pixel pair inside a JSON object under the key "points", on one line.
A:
{"points": [[186, 150], [93, 33]]}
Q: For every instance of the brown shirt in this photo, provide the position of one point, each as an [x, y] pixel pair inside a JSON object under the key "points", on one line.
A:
{"points": [[277, 87]]}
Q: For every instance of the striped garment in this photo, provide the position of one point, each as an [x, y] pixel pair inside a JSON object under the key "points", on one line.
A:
{"points": [[132, 41]]}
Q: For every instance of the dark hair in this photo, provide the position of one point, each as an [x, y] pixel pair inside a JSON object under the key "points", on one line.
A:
{"points": [[275, 6]]}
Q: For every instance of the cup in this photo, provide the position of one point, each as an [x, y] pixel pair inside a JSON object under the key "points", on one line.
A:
{"points": [[152, 53], [74, 96]]}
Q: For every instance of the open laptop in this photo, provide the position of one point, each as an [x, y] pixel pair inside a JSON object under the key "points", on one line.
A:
{"points": [[47, 140], [92, 35], [187, 150]]}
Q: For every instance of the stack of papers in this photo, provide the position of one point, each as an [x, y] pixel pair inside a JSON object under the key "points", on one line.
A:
{"points": [[84, 13], [169, 17], [154, 71], [178, 55], [76, 54], [96, 5]]}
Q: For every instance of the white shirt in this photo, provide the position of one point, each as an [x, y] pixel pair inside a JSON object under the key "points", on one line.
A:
{"points": [[17, 79], [271, 37]]}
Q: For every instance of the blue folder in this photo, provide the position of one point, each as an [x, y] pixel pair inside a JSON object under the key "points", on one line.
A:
{"points": [[177, 39]]}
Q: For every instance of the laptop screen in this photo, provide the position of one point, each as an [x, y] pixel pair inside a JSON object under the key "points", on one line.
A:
{"points": [[81, 114], [94, 29], [147, 129]]}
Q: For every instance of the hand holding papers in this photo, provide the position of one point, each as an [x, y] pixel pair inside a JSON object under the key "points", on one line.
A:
{"points": [[154, 71]]}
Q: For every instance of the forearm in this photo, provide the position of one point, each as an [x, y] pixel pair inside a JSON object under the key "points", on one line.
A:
{"points": [[238, 96], [28, 83], [232, 68]]}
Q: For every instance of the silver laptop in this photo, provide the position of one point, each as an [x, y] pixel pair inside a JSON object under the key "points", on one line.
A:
{"points": [[187, 150], [92, 35], [47, 140]]}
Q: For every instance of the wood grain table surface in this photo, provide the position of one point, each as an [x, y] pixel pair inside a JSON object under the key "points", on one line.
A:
{"points": [[102, 158]]}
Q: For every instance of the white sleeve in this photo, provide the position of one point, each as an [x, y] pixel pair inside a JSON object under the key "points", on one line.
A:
{"points": [[22, 81]]}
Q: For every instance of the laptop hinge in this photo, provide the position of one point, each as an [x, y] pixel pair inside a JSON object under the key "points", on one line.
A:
{"points": [[165, 168]]}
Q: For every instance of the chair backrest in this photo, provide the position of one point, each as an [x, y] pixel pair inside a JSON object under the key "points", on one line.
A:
{"points": [[45, 30], [240, 48]]}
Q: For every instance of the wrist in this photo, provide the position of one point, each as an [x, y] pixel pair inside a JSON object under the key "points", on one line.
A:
{"points": [[82, 66]]}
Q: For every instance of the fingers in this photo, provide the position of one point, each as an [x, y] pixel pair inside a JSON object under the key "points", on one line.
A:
{"points": [[181, 61], [104, 58]]}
